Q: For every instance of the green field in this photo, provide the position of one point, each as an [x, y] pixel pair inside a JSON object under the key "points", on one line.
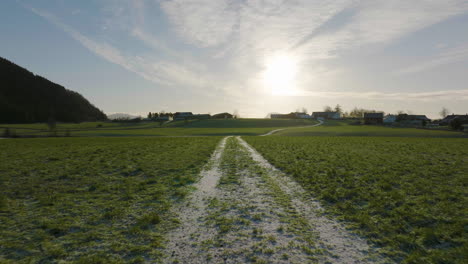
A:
{"points": [[408, 195], [346, 128], [92, 200], [98, 198], [210, 127]]}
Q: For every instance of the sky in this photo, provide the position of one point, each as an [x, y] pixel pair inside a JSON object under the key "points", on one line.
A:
{"points": [[251, 56]]}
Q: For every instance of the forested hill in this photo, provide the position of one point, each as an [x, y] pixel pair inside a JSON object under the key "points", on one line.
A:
{"points": [[25, 98]]}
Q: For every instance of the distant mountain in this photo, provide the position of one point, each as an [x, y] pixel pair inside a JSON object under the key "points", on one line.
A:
{"points": [[120, 116], [28, 98]]}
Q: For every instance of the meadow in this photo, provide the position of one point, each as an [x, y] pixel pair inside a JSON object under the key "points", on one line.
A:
{"points": [[96, 197], [407, 195], [347, 128], [93, 200], [210, 127]]}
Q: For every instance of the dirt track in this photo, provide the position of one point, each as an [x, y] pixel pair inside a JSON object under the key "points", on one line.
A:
{"points": [[246, 211]]}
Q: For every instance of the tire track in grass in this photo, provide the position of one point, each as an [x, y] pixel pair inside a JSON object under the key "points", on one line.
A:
{"points": [[251, 226], [179, 244], [342, 245], [281, 129], [237, 221], [246, 211]]}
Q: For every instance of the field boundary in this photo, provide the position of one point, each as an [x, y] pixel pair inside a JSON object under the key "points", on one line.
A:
{"points": [[281, 129]]}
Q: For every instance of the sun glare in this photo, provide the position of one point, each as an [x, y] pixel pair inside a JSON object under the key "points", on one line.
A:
{"points": [[280, 74]]}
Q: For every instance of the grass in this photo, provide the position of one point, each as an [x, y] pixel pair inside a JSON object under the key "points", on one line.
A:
{"points": [[210, 127], [344, 128], [243, 123], [93, 200], [407, 195]]}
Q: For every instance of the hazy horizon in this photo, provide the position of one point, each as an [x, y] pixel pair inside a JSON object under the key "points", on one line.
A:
{"points": [[252, 56]]}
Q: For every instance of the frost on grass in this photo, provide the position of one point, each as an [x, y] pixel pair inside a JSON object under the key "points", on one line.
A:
{"points": [[245, 211], [341, 245], [180, 240]]}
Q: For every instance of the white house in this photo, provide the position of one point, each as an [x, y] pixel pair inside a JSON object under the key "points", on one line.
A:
{"points": [[389, 119]]}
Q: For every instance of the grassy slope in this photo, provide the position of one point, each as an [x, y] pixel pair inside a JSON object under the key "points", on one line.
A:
{"points": [[211, 127], [92, 199], [338, 128]]}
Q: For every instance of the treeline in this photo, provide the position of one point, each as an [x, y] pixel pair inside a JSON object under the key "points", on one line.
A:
{"points": [[29, 98], [160, 114], [354, 113]]}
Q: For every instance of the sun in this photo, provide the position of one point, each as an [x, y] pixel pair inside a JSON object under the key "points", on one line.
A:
{"points": [[279, 76]]}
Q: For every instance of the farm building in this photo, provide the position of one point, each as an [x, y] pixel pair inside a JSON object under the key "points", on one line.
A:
{"points": [[446, 121], [412, 119], [202, 116], [373, 118], [326, 115], [162, 118], [183, 115], [223, 115], [292, 115], [389, 119]]}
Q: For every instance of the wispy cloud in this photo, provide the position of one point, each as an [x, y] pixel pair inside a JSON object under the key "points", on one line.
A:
{"points": [[160, 72], [449, 56], [226, 42], [410, 96]]}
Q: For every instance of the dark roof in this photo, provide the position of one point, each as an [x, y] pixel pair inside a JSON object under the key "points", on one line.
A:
{"points": [[373, 115], [412, 117], [325, 113], [222, 114], [183, 113], [451, 117]]}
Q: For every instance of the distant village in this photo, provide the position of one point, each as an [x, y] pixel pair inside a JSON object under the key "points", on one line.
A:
{"points": [[362, 116], [177, 116], [372, 117]]}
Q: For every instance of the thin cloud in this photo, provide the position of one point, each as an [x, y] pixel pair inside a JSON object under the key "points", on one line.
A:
{"points": [[232, 39], [453, 55], [160, 72], [410, 96]]}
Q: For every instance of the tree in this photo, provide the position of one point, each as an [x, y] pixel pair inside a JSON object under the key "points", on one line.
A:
{"points": [[327, 109], [150, 115], [400, 112], [51, 124], [236, 114], [28, 98], [444, 112], [456, 124], [338, 109], [6, 133]]}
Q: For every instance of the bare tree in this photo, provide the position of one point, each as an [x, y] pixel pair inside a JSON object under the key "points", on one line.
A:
{"points": [[327, 108], [236, 114], [400, 112], [444, 112], [338, 109]]}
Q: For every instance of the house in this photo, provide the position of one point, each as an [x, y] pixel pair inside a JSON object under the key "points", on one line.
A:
{"points": [[292, 115], [373, 118], [276, 116], [202, 116], [389, 119], [162, 118], [183, 116], [412, 119], [326, 115], [446, 121], [302, 115], [222, 115]]}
